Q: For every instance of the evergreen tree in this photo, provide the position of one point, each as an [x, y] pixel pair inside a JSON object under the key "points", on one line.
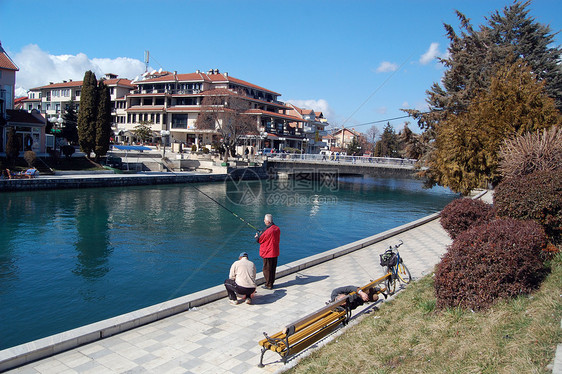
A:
{"points": [[475, 57], [103, 121], [409, 144], [354, 147], [70, 129], [13, 146], [387, 146], [531, 41], [467, 144], [87, 115]]}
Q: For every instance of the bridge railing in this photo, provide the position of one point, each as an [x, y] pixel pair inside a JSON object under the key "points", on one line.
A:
{"points": [[341, 159]]}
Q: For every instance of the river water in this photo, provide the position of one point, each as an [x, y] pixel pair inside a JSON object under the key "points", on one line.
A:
{"points": [[73, 257]]}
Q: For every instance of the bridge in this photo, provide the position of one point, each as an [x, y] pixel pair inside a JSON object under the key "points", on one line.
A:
{"points": [[288, 165]]}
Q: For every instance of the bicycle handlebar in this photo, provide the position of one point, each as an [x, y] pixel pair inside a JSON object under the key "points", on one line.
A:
{"points": [[400, 242]]}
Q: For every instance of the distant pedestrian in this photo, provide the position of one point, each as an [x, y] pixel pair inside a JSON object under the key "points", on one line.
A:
{"points": [[269, 250], [241, 280]]}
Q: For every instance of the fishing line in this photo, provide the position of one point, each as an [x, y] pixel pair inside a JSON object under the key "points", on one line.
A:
{"points": [[378, 88], [219, 204], [231, 212]]}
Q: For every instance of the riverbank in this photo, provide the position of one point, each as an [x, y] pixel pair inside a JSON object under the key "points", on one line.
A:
{"points": [[204, 331], [91, 179]]}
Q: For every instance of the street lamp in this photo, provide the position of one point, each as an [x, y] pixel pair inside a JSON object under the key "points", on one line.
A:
{"points": [[164, 133], [57, 124]]}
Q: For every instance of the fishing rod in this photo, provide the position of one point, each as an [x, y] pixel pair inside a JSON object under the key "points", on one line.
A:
{"points": [[222, 206]]}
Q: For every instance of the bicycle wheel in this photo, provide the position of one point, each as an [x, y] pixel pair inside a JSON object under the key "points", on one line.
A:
{"points": [[390, 282], [403, 273]]}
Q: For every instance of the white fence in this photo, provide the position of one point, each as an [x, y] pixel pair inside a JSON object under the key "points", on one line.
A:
{"points": [[331, 159]]}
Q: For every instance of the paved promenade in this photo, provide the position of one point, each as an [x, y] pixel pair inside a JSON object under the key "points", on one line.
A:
{"points": [[221, 338]]}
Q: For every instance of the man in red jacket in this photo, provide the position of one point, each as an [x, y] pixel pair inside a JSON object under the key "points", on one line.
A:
{"points": [[269, 250]]}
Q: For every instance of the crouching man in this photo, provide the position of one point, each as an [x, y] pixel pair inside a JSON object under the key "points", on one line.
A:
{"points": [[241, 280]]}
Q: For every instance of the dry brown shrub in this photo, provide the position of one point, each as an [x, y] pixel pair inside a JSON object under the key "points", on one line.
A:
{"points": [[531, 152]]}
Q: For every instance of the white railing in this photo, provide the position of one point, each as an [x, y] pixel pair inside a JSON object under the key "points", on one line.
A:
{"points": [[334, 159]]}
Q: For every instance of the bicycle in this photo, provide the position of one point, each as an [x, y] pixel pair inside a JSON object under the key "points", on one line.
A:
{"points": [[395, 268]]}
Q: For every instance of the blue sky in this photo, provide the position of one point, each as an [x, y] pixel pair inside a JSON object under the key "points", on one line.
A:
{"points": [[357, 61]]}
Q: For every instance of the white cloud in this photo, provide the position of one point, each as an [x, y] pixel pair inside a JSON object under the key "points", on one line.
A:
{"points": [[320, 105], [405, 104], [382, 110], [38, 67], [432, 53], [386, 67]]}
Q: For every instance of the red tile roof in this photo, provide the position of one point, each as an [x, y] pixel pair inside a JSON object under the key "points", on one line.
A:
{"points": [[108, 82], [204, 77], [5, 61]]}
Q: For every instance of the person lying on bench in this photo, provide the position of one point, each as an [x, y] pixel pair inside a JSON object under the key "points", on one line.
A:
{"points": [[241, 280], [359, 298]]}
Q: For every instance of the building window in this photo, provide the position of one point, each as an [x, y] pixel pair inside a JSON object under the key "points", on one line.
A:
{"points": [[179, 121]]}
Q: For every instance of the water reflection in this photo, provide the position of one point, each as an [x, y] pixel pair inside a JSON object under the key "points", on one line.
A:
{"points": [[93, 246]]}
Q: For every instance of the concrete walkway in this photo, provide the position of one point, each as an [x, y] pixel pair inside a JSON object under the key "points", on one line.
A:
{"points": [[221, 338]]}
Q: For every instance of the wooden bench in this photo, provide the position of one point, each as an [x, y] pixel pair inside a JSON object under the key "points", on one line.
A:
{"points": [[301, 334]]}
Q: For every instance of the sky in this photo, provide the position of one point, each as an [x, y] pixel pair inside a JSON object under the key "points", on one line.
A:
{"points": [[359, 62]]}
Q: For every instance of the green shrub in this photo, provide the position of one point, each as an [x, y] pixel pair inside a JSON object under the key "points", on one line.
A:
{"points": [[194, 148], [30, 157], [459, 215], [205, 150], [496, 260], [536, 196]]}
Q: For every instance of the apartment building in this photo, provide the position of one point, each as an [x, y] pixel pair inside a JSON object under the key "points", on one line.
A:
{"points": [[53, 99], [170, 104], [29, 128], [314, 129]]}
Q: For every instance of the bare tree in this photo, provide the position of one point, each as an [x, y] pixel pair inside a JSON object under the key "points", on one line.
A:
{"points": [[226, 113], [372, 135]]}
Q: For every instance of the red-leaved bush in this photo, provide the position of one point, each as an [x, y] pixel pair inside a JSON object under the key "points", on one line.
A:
{"points": [[459, 215], [536, 196], [496, 260]]}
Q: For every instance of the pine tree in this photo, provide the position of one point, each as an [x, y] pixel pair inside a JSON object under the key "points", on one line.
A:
{"points": [[475, 59], [103, 121], [531, 41], [387, 146], [70, 129], [467, 144], [87, 115], [13, 146]]}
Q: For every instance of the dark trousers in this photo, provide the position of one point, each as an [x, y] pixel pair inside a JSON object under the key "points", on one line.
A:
{"points": [[232, 288], [269, 267]]}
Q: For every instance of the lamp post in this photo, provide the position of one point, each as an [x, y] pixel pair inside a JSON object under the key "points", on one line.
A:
{"points": [[164, 133], [57, 124]]}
